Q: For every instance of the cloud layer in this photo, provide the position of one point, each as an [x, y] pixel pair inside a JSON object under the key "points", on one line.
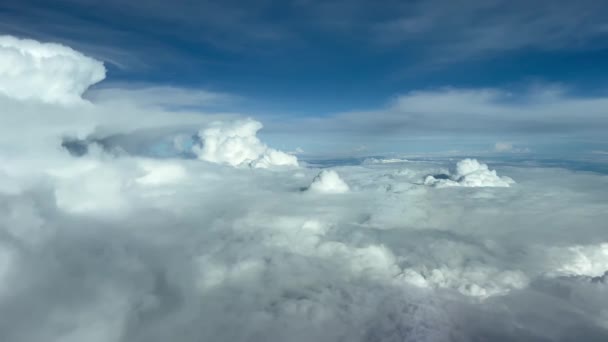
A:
{"points": [[115, 245], [132, 249]]}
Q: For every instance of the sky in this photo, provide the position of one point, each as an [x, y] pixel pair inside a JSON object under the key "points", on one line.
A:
{"points": [[294, 60], [358, 171]]}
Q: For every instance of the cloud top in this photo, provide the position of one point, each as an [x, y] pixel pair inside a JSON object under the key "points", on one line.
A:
{"points": [[328, 181], [470, 173], [46, 72]]}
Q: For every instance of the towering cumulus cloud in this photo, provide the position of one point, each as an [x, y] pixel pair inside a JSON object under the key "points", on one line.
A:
{"points": [[45, 71], [235, 143]]}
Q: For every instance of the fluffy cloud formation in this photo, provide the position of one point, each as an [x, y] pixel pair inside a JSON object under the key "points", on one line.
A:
{"points": [[328, 181], [582, 260], [470, 173], [235, 143], [111, 246], [45, 71], [180, 245]]}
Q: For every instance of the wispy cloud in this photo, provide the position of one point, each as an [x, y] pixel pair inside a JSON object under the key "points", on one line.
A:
{"points": [[477, 111], [430, 30], [454, 31]]}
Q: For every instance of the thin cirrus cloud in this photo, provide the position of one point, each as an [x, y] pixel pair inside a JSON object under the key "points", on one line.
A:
{"points": [[431, 30], [477, 28]]}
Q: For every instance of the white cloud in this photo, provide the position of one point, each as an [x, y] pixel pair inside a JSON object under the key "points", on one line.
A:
{"points": [[97, 188], [507, 147], [480, 282], [235, 143], [328, 181], [165, 238], [384, 160], [470, 173], [481, 114], [45, 71], [115, 247], [577, 260], [503, 147]]}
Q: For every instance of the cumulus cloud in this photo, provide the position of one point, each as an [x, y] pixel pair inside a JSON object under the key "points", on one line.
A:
{"points": [[235, 143], [328, 181], [37, 80], [45, 71], [470, 173]]}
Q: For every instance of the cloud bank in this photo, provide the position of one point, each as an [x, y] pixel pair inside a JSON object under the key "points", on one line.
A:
{"points": [[460, 115], [124, 248]]}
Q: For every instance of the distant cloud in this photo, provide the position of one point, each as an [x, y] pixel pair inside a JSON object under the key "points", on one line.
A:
{"points": [[236, 143], [503, 147], [298, 150], [473, 112], [506, 147], [470, 173]]}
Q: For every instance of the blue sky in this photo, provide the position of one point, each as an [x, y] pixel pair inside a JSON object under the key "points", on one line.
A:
{"points": [[302, 58]]}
